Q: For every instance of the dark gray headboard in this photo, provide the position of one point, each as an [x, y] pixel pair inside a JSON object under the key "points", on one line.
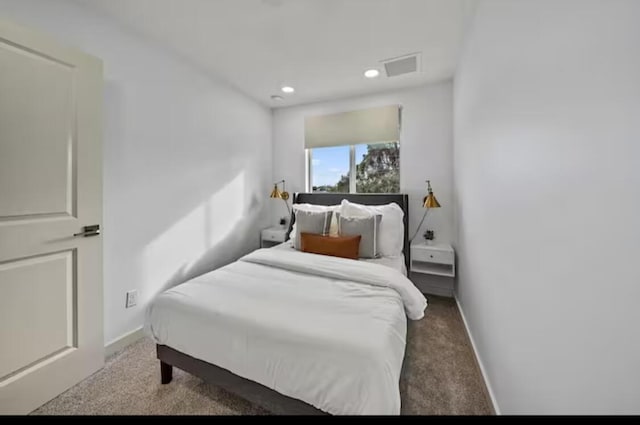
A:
{"points": [[366, 199]]}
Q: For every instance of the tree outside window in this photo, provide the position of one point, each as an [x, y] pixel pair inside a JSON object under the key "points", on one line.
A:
{"points": [[375, 168]]}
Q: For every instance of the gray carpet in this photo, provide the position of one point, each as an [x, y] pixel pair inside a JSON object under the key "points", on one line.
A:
{"points": [[440, 378]]}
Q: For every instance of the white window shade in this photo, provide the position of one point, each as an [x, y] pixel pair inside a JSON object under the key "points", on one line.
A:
{"points": [[354, 127]]}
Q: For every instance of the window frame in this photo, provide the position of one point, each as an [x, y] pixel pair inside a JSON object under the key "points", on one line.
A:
{"points": [[352, 167]]}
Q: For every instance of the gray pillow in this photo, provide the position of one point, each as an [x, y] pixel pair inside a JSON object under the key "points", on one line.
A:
{"points": [[367, 227], [317, 222]]}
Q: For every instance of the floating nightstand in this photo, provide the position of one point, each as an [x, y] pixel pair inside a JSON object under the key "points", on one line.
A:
{"points": [[436, 259], [272, 236]]}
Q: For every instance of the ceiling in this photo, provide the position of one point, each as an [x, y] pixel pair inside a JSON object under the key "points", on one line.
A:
{"points": [[319, 47]]}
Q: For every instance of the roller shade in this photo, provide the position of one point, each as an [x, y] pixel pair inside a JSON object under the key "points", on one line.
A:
{"points": [[354, 127]]}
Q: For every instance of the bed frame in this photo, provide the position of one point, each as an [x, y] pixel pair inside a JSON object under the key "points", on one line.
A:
{"points": [[258, 394]]}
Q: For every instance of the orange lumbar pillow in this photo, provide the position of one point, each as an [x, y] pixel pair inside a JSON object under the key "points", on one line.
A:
{"points": [[336, 246]]}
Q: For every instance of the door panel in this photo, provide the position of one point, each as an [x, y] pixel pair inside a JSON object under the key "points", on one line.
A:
{"points": [[51, 301], [46, 320], [36, 172]]}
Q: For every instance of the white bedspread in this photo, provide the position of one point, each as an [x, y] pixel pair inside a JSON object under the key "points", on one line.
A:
{"points": [[325, 330]]}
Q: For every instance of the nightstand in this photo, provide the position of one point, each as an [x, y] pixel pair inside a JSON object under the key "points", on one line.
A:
{"points": [[272, 236], [436, 259]]}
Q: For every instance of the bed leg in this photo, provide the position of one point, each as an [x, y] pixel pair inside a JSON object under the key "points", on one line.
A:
{"points": [[166, 372]]}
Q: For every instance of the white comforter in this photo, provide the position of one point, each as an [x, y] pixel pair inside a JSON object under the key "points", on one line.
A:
{"points": [[325, 330]]}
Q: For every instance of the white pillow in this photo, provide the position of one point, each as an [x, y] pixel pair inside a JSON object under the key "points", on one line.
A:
{"points": [[333, 229], [391, 235]]}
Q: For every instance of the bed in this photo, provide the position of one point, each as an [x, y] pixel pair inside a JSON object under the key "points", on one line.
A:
{"points": [[292, 332]]}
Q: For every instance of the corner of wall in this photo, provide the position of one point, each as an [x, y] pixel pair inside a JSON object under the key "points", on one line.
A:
{"points": [[479, 363]]}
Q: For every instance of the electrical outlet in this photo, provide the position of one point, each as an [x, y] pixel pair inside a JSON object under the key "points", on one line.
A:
{"points": [[132, 298]]}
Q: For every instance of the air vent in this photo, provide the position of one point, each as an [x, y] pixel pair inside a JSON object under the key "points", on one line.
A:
{"points": [[402, 65]]}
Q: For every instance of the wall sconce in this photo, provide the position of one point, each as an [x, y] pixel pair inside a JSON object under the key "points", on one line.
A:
{"points": [[284, 195], [428, 202]]}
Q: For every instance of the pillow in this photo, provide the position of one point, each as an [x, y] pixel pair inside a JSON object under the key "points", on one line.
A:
{"points": [[367, 228], [391, 236], [333, 229], [336, 246], [311, 222]]}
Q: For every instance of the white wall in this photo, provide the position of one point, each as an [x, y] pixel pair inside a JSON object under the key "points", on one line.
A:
{"points": [[425, 148], [187, 160], [547, 172]]}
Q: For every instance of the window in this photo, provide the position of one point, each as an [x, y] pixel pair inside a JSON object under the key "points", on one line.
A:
{"points": [[365, 168], [378, 168], [329, 169]]}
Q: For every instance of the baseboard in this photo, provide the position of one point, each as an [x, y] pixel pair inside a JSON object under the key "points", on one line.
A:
{"points": [[487, 383], [123, 341]]}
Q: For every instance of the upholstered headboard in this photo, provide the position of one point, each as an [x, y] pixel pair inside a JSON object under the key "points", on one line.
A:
{"points": [[366, 199]]}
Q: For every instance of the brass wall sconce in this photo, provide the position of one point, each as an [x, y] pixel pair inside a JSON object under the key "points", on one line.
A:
{"points": [[276, 193], [428, 202]]}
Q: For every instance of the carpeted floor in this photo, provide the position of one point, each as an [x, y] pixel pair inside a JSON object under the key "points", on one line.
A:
{"points": [[440, 378]]}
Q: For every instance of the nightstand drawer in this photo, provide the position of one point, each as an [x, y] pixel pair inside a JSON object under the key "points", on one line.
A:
{"points": [[273, 236], [431, 255]]}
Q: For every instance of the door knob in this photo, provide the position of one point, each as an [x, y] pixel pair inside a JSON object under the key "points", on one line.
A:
{"points": [[93, 230]]}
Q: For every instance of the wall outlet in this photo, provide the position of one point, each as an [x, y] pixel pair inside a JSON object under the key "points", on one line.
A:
{"points": [[132, 298]]}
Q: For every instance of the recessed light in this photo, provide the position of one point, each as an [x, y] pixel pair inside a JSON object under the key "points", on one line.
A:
{"points": [[288, 89], [371, 73], [276, 97]]}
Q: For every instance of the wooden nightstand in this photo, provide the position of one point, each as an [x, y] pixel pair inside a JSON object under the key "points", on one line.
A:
{"points": [[436, 259], [272, 236]]}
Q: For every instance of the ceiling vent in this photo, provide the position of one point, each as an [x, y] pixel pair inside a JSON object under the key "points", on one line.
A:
{"points": [[402, 65]]}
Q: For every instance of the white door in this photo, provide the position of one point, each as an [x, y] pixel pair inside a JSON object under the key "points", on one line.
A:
{"points": [[51, 333]]}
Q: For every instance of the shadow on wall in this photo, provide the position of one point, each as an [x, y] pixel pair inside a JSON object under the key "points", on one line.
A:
{"points": [[211, 236]]}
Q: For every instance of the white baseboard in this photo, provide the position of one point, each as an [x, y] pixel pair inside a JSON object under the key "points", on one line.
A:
{"points": [[487, 383], [123, 341]]}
